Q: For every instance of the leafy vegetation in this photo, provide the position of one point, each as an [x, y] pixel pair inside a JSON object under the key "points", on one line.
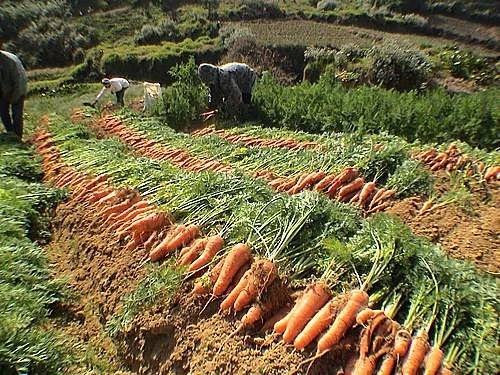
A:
{"points": [[27, 290]]}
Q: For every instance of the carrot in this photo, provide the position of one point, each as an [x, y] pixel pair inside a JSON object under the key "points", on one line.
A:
{"points": [[289, 182], [492, 173], [445, 371], [112, 195], [402, 343], [263, 273], [416, 354], [239, 255], [183, 237], [253, 314], [351, 187], [228, 302], [367, 190], [325, 182], [204, 285], [135, 206], [192, 252], [358, 299], [97, 195], [146, 224], [315, 297], [212, 247], [319, 322], [308, 179], [433, 361], [387, 365], [116, 209], [366, 314], [345, 177]]}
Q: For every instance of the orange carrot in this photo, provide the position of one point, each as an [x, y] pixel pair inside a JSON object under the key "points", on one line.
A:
{"points": [[345, 319], [123, 214], [263, 273], [212, 247], [183, 238], [416, 354], [345, 177], [228, 302], [239, 255], [366, 192], [159, 251], [315, 297], [366, 314], [204, 285], [492, 173], [325, 182], [319, 322], [117, 208], [287, 184], [402, 343], [351, 187], [433, 361], [387, 365], [308, 179], [253, 314], [147, 224], [193, 251]]}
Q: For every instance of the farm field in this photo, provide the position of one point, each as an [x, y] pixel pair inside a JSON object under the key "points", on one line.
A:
{"points": [[146, 313], [347, 221]]}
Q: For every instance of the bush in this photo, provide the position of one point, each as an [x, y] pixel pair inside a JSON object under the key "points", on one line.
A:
{"points": [[52, 43], [326, 5], [400, 69], [185, 99]]}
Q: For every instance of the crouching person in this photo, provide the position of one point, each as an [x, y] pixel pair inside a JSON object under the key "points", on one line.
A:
{"points": [[116, 86], [230, 85]]}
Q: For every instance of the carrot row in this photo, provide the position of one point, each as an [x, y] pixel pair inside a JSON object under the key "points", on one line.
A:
{"points": [[151, 148], [289, 143]]}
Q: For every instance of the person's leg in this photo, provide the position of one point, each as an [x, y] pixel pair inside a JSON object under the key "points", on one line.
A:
{"points": [[119, 97], [5, 115], [17, 117]]}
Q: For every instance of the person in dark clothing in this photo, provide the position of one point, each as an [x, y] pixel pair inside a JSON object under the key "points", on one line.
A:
{"points": [[230, 85], [13, 90]]}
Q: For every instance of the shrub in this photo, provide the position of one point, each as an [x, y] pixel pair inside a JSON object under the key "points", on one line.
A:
{"points": [[49, 42], [184, 100], [403, 70], [326, 5]]}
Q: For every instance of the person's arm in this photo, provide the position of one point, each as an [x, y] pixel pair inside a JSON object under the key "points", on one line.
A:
{"points": [[103, 90], [214, 97]]}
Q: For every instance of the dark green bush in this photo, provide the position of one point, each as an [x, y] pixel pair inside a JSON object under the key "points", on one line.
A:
{"points": [[434, 116], [403, 70], [185, 99], [48, 42]]}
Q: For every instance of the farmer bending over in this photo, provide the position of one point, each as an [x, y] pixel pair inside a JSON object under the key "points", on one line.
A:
{"points": [[116, 86], [13, 90], [230, 85]]}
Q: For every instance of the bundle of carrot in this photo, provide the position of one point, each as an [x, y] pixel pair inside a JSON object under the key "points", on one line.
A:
{"points": [[346, 187], [221, 276]]}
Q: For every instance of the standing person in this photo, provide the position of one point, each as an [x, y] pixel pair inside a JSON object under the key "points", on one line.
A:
{"points": [[230, 85], [116, 86], [13, 90]]}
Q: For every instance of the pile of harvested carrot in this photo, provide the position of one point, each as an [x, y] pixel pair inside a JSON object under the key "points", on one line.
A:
{"points": [[152, 149], [247, 140], [346, 187]]}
